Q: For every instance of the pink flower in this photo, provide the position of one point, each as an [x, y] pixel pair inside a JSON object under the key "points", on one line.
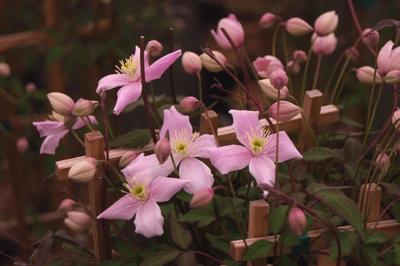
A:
{"points": [[234, 29], [324, 45], [388, 58], [257, 150], [129, 79], [186, 146], [146, 185], [55, 130], [266, 65]]}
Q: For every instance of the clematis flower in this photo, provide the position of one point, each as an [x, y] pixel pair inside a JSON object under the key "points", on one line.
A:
{"points": [[266, 65], [55, 129], [257, 150], [388, 58], [128, 77], [186, 146], [234, 29], [146, 185]]}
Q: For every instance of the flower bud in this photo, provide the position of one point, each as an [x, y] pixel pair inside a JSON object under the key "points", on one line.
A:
{"points": [[77, 221], [292, 67], [154, 48], [396, 119], [61, 103], [365, 75], [66, 205], [352, 53], [162, 150], [84, 107], [267, 20], [233, 28], [383, 161], [279, 79], [127, 158], [271, 91], [30, 87], [300, 56], [210, 64], [22, 144], [287, 111], [324, 45], [202, 198], [189, 104], [370, 37], [297, 27], [326, 23], [392, 77], [264, 66], [191, 63], [5, 70], [83, 171], [297, 221]]}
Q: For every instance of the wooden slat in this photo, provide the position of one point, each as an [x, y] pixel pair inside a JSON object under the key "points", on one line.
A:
{"points": [[205, 125], [370, 201]]}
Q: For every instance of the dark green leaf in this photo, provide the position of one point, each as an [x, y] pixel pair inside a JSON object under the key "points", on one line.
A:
{"points": [[161, 258], [319, 154], [186, 259], [225, 206], [277, 219], [347, 242], [202, 216], [133, 139], [123, 246], [179, 235], [376, 237], [219, 243], [259, 249]]}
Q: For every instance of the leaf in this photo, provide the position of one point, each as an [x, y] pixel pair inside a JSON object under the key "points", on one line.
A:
{"points": [[396, 211], [347, 242], [318, 154], [277, 219], [187, 258], [123, 246], [218, 242], [225, 206], [179, 235], [161, 258], [260, 249], [351, 123], [376, 238], [202, 216], [396, 248], [351, 149], [339, 204], [133, 139]]}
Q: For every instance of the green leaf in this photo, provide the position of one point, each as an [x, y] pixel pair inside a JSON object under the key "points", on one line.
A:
{"points": [[187, 258], [133, 139], [339, 204], [218, 242], [277, 219], [161, 258], [351, 150], [202, 216], [347, 242], [225, 206], [396, 211], [123, 246], [376, 237], [260, 249], [179, 235], [318, 154]]}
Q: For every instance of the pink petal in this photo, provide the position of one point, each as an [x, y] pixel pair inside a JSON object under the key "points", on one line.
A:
{"points": [[155, 70], [394, 60], [126, 95], [51, 142], [174, 121], [197, 172], [47, 128], [220, 38], [149, 166], [201, 145], [112, 81], [80, 122], [287, 150], [149, 221], [123, 209], [244, 122], [384, 56], [230, 158], [263, 170], [163, 188]]}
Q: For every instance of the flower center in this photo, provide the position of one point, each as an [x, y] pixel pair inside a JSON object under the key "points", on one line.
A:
{"points": [[181, 141], [138, 191], [256, 139], [128, 66], [257, 145]]}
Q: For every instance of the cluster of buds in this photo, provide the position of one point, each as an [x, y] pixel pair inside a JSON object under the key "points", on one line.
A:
{"points": [[298, 57], [77, 220], [64, 105], [83, 171]]}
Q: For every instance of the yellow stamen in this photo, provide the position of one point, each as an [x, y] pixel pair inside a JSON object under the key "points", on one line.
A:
{"points": [[128, 66], [138, 191]]}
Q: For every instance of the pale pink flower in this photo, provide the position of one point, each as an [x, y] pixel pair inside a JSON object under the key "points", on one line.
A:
{"points": [[128, 77], [264, 66], [186, 147], [388, 58], [234, 29], [258, 149], [146, 185], [324, 45]]}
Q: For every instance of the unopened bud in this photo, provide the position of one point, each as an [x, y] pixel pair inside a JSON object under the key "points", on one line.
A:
{"points": [[127, 158], [162, 150], [287, 111], [5, 70], [22, 144], [383, 161], [191, 63], [189, 104], [77, 221], [292, 67], [370, 37], [83, 171], [396, 119], [267, 20], [365, 75], [61, 103], [352, 53], [279, 79], [300, 56], [326, 23], [271, 91], [84, 107], [210, 64], [393, 76], [297, 221], [30, 87], [154, 48], [324, 45], [66, 205], [297, 27], [202, 198]]}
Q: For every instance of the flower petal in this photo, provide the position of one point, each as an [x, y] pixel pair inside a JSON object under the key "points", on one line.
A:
{"points": [[51, 142], [148, 166], [155, 70], [263, 170], [47, 128], [122, 209], [126, 95], [230, 158], [201, 145], [384, 56], [197, 172], [244, 122], [174, 121], [81, 122], [287, 150], [112, 81], [149, 221], [164, 188]]}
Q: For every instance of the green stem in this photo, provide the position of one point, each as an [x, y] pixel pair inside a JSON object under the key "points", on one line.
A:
{"points": [[304, 81], [77, 137], [341, 74], [317, 70], [200, 86], [275, 36]]}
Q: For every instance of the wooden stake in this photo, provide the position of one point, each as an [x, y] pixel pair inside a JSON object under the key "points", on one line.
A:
{"points": [[94, 147], [205, 125], [370, 199]]}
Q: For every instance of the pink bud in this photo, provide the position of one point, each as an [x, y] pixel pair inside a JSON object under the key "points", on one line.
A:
{"points": [[267, 20], [292, 67], [396, 119], [189, 104], [352, 53], [300, 56], [324, 45], [154, 48], [30, 87], [191, 63], [266, 65], [287, 111], [271, 91], [383, 161], [83, 170], [297, 221], [162, 150], [279, 79], [84, 107], [297, 27], [77, 221], [66, 205], [127, 158], [210, 64], [22, 144], [393, 76], [365, 75], [326, 23], [370, 37], [233, 28], [61, 103], [202, 198], [5, 70]]}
